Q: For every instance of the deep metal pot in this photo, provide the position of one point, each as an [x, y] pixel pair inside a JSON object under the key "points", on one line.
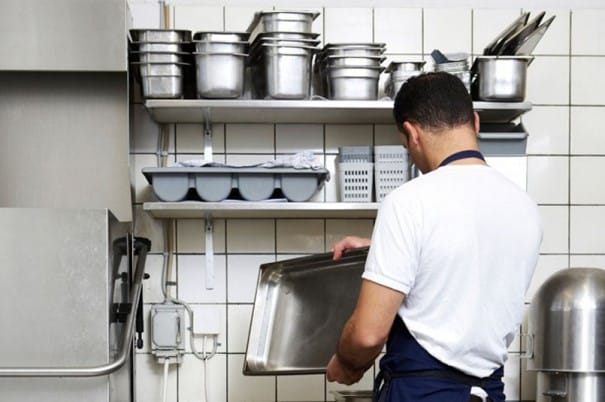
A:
{"points": [[502, 78], [566, 326]]}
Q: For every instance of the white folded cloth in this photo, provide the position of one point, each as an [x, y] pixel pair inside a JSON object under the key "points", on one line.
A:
{"points": [[300, 160]]}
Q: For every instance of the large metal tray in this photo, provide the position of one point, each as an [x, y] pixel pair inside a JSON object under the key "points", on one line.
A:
{"points": [[300, 308]]}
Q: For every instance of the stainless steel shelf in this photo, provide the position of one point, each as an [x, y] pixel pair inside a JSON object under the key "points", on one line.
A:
{"points": [[303, 111], [500, 112], [218, 210], [269, 111]]}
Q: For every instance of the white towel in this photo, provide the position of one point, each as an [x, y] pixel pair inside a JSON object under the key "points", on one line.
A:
{"points": [[300, 160]]}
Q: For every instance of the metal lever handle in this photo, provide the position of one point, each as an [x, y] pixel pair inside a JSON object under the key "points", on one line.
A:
{"points": [[529, 346], [141, 248], [555, 394]]}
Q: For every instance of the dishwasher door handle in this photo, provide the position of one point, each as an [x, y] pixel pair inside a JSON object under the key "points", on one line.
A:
{"points": [[141, 247]]}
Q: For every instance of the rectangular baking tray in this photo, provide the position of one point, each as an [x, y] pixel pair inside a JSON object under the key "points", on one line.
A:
{"points": [[300, 308]]}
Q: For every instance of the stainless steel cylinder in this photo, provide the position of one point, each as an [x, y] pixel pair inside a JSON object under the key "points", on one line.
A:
{"points": [[570, 387], [567, 322]]}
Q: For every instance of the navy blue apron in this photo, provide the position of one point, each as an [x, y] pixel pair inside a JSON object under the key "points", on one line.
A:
{"points": [[408, 373]]}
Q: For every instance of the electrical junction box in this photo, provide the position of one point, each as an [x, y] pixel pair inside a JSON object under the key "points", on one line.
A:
{"points": [[168, 330]]}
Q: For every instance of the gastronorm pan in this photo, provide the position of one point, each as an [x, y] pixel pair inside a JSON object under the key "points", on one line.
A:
{"points": [[160, 35], [300, 308]]}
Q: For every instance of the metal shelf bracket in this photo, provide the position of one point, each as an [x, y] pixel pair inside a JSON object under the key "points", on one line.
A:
{"points": [[209, 233], [207, 135]]}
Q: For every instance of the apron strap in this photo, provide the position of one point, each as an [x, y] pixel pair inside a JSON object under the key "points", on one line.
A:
{"points": [[384, 377]]}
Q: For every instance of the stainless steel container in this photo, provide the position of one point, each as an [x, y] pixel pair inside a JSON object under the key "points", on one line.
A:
{"points": [[162, 86], [570, 387], [284, 72], [220, 75], [159, 57], [221, 36], [353, 83], [405, 67], [283, 21], [287, 35], [158, 47], [567, 322], [160, 35], [352, 396], [157, 68], [205, 46], [353, 50], [354, 61], [566, 329], [400, 72], [502, 78]]}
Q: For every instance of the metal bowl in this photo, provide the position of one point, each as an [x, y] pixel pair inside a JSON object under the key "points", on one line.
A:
{"points": [[160, 35]]}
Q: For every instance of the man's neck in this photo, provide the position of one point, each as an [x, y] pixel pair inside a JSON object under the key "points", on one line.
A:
{"points": [[458, 139]]}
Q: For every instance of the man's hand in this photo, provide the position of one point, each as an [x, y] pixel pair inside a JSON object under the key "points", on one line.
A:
{"points": [[348, 243], [341, 374]]}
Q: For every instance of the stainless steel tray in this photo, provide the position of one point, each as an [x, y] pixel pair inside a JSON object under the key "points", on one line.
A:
{"points": [[300, 308]]}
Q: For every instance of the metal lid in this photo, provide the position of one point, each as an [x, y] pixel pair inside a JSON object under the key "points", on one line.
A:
{"points": [[567, 322]]}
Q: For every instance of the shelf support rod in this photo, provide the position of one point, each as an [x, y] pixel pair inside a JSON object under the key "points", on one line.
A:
{"points": [[209, 233], [207, 136]]}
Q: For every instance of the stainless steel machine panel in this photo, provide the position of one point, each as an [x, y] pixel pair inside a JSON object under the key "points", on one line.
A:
{"points": [[60, 274], [63, 35]]}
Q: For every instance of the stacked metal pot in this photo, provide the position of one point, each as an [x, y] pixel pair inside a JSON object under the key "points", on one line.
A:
{"points": [[220, 60], [160, 57], [566, 333], [281, 54], [349, 71], [399, 72]]}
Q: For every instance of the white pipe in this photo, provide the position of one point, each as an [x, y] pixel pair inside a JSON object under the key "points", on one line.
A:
{"points": [[165, 382]]}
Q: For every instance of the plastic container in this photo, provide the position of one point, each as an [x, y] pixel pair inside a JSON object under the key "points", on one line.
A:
{"points": [[391, 169], [355, 154], [355, 181], [215, 183]]}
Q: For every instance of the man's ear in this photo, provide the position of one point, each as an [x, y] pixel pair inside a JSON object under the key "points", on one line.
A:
{"points": [[477, 122], [413, 132]]}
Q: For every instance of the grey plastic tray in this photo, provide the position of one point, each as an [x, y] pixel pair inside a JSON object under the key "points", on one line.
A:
{"points": [[215, 183]]}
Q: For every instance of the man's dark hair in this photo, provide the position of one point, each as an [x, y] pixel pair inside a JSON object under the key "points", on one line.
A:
{"points": [[433, 100]]}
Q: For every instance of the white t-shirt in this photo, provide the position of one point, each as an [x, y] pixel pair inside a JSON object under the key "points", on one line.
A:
{"points": [[461, 242]]}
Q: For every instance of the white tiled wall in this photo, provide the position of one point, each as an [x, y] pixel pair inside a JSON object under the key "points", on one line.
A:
{"points": [[566, 159]]}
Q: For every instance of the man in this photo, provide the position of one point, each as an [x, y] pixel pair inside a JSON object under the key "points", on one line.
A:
{"points": [[451, 256]]}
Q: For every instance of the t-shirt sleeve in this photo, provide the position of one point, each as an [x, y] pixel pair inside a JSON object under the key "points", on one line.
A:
{"points": [[394, 251]]}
